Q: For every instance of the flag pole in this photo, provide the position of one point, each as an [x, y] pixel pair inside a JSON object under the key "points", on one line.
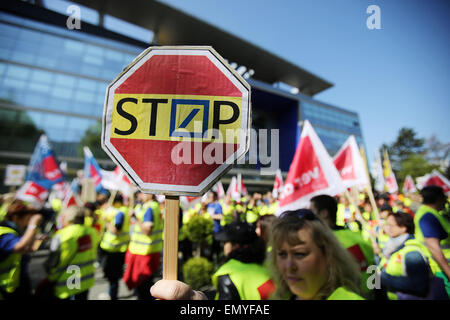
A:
{"points": [[369, 186], [170, 251], [111, 198]]}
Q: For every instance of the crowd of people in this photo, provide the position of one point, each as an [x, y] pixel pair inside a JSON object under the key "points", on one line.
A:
{"points": [[337, 249]]}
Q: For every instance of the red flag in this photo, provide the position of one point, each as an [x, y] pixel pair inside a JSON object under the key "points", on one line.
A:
{"points": [[117, 180], [218, 187], [349, 163], [189, 202], [311, 173], [277, 184], [241, 187], [233, 190], [408, 185], [33, 193], [434, 178]]}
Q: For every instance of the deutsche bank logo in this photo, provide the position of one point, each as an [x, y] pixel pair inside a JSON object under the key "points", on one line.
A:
{"points": [[184, 112]]}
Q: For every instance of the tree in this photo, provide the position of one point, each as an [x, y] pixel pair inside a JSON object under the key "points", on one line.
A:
{"points": [[406, 144], [410, 155], [199, 230], [416, 166], [438, 153]]}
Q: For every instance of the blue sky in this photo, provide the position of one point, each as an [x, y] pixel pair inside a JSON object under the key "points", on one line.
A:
{"points": [[395, 77]]}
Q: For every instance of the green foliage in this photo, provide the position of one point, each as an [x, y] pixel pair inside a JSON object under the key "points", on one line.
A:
{"points": [[415, 165], [410, 155], [197, 272], [406, 145], [199, 229]]}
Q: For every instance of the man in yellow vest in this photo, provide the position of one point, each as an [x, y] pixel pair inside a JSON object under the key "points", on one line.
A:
{"points": [[144, 251], [114, 244], [433, 229], [408, 270], [73, 252], [17, 233], [242, 276], [381, 240], [326, 207]]}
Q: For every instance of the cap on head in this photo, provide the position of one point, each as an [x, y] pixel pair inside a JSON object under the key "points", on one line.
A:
{"points": [[237, 232]]}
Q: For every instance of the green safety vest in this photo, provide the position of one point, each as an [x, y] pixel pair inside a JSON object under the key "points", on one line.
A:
{"points": [[342, 293], [382, 237], [141, 243], [360, 249], [56, 204], [252, 281], [251, 215], [407, 202], [445, 243], [10, 267], [117, 242], [340, 214], [78, 247], [269, 209], [227, 214], [3, 211], [395, 265]]}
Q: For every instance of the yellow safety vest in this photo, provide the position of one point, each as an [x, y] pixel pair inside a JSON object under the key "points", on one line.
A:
{"points": [[56, 204], [141, 243], [3, 211], [361, 250], [75, 270], [340, 214], [252, 281], [228, 214], [395, 265], [117, 242], [445, 243], [342, 293], [10, 267], [251, 215]]}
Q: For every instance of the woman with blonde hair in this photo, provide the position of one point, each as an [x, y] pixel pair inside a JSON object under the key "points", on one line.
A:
{"points": [[308, 261]]}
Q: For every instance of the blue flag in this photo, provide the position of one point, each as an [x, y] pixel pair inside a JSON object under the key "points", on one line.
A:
{"points": [[44, 169], [92, 169]]}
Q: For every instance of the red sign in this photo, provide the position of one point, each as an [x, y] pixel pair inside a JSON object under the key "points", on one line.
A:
{"points": [[176, 119]]}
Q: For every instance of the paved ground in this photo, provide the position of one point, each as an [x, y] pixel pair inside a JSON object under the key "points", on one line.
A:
{"points": [[98, 292]]}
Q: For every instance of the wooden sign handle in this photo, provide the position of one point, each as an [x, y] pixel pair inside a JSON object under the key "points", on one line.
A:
{"points": [[170, 254]]}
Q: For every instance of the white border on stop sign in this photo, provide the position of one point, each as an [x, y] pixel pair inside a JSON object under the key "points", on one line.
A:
{"points": [[229, 72]]}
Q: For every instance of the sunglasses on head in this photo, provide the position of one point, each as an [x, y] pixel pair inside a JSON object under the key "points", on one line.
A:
{"points": [[301, 213]]}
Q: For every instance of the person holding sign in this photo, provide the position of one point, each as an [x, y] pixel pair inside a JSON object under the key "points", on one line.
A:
{"points": [[308, 262], [144, 251]]}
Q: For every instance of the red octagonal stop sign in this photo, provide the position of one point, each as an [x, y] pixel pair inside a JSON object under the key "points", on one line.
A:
{"points": [[176, 119]]}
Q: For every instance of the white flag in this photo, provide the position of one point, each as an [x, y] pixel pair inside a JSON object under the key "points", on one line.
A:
{"points": [[377, 173], [312, 172]]}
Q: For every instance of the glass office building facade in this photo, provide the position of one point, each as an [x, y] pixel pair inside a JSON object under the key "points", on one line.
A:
{"points": [[53, 81], [333, 125]]}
